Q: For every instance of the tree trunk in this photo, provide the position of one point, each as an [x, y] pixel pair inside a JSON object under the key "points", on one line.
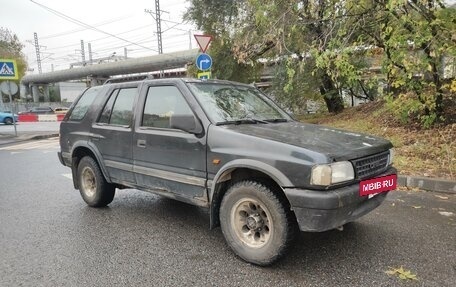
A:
{"points": [[331, 95]]}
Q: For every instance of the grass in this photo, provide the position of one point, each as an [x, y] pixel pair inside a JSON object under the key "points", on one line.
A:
{"points": [[419, 152]]}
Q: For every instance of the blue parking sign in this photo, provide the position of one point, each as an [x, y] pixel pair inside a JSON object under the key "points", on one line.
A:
{"points": [[8, 69]]}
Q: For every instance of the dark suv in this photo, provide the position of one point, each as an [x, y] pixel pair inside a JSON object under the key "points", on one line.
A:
{"points": [[226, 147]]}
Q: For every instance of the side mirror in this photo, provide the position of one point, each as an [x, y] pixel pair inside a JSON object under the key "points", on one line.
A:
{"points": [[187, 123]]}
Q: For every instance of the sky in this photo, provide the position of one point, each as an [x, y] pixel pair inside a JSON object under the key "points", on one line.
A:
{"points": [[114, 26]]}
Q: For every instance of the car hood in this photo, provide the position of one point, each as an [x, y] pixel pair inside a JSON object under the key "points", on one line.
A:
{"points": [[336, 144]]}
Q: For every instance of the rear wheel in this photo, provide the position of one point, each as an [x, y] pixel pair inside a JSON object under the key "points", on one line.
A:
{"points": [[8, 121], [94, 188], [256, 223]]}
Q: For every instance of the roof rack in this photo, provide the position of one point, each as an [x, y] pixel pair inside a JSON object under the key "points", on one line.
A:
{"points": [[128, 79]]}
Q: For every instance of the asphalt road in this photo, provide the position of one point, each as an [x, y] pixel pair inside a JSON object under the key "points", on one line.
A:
{"points": [[49, 237]]}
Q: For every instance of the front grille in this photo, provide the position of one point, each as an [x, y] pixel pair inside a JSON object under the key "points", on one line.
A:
{"points": [[372, 165]]}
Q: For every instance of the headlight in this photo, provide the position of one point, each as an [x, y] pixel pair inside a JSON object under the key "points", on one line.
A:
{"points": [[391, 156], [327, 174]]}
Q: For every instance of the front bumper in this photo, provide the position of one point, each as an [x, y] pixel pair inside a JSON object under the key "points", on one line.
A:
{"points": [[328, 209]]}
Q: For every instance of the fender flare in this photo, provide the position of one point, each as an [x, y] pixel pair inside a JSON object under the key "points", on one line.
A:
{"points": [[267, 169], [88, 145]]}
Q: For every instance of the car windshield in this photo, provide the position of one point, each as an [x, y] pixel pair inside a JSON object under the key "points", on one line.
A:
{"points": [[227, 103]]}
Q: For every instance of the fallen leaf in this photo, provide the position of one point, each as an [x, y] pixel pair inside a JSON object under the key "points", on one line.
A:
{"points": [[441, 197], [416, 207], [402, 273]]}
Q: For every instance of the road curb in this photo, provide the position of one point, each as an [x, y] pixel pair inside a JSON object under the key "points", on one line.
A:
{"points": [[12, 139], [40, 137], [426, 183]]}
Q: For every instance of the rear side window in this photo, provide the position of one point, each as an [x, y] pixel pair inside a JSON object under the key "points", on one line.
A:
{"points": [[119, 108], [82, 106]]}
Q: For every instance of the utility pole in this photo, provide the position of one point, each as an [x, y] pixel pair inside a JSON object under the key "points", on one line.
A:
{"points": [[89, 47], [157, 19], [159, 30], [37, 49], [190, 39], [125, 52], [83, 53]]}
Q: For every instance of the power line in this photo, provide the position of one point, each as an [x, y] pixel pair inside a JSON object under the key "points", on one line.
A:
{"points": [[75, 21], [98, 39], [79, 30]]}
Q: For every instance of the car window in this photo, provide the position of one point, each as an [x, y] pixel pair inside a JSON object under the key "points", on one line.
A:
{"points": [[106, 114], [83, 104], [119, 108], [161, 103]]}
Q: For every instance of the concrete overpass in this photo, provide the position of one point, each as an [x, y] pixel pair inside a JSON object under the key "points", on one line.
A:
{"points": [[97, 74]]}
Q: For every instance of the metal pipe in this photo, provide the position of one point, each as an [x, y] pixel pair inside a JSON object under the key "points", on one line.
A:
{"points": [[129, 66]]}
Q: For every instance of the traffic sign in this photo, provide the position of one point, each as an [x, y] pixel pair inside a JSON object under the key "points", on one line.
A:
{"points": [[204, 75], [204, 62], [9, 88], [8, 69], [203, 41]]}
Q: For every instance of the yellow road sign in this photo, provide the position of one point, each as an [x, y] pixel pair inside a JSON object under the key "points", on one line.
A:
{"points": [[205, 75], [8, 69]]}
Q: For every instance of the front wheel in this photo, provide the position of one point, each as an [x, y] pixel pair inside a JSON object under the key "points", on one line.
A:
{"points": [[257, 225], [94, 188]]}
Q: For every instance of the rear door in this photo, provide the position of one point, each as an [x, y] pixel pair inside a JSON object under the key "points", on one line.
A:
{"points": [[168, 160], [112, 133]]}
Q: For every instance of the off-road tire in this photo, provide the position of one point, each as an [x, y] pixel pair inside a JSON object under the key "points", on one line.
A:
{"points": [[256, 222], [94, 188]]}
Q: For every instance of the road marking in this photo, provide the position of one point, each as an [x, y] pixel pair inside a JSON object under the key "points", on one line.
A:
{"points": [[67, 175]]}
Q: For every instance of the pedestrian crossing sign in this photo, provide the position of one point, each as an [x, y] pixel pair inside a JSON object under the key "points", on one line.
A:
{"points": [[8, 69]]}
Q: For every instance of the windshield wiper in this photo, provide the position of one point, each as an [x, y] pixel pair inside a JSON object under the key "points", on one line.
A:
{"points": [[276, 120], [242, 121]]}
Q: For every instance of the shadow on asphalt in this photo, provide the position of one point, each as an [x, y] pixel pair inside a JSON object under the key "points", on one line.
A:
{"points": [[176, 219]]}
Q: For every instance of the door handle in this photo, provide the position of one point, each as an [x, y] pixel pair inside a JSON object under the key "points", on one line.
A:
{"points": [[141, 143]]}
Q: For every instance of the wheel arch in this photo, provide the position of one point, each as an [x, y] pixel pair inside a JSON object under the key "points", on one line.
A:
{"points": [[239, 170], [80, 150]]}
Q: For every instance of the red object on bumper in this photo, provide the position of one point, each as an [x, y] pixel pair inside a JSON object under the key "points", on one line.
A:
{"points": [[377, 185]]}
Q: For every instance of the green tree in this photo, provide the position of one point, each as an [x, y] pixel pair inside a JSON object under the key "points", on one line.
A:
{"points": [[308, 40], [416, 36], [330, 47]]}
